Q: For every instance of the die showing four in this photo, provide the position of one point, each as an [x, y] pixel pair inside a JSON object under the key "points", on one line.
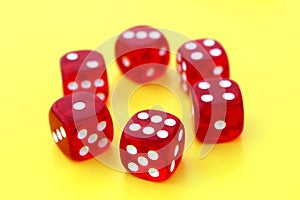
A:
{"points": [[201, 59], [84, 71], [217, 101], [142, 53], [152, 144], [81, 125]]}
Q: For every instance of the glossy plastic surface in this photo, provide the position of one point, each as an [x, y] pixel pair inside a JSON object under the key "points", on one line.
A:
{"points": [[152, 145]]}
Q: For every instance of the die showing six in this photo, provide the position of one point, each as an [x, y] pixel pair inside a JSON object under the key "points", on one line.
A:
{"points": [[201, 59], [152, 142], [203, 67]]}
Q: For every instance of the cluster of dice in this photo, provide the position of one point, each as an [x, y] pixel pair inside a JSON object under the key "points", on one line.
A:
{"points": [[152, 142]]}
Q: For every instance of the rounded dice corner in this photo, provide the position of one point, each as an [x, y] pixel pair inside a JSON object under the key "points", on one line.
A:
{"points": [[83, 125], [84, 71], [219, 110], [155, 149], [140, 52], [201, 59], [198, 61]]}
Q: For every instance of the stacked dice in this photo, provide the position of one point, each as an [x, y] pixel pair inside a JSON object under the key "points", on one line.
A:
{"points": [[152, 142]]}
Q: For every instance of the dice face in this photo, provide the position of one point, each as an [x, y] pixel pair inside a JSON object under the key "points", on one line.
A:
{"points": [[142, 53], [218, 110], [201, 59], [81, 125], [152, 145], [84, 71]]}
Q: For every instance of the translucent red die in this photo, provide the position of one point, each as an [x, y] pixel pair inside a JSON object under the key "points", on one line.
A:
{"points": [[142, 53], [81, 125], [84, 71], [152, 144], [201, 59], [218, 110]]}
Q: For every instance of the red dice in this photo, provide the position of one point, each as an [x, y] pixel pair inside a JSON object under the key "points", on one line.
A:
{"points": [[142, 53], [152, 145], [218, 110], [201, 59], [81, 125], [84, 71]]}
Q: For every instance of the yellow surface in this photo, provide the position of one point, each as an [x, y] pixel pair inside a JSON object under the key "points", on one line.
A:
{"points": [[262, 42]]}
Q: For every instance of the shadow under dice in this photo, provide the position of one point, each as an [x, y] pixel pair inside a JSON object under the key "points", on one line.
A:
{"points": [[142, 53], [201, 59], [81, 125], [84, 71], [218, 110], [152, 144]]}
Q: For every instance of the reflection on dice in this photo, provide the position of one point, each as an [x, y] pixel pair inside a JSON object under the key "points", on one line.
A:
{"points": [[217, 101], [81, 125], [152, 144], [142, 53], [201, 59], [84, 71]]}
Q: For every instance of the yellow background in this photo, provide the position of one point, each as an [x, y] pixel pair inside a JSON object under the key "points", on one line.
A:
{"points": [[262, 42]]}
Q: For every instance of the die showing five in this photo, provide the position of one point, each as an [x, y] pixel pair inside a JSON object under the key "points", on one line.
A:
{"points": [[152, 142]]}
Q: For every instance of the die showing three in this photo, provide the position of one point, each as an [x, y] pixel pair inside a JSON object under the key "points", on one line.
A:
{"points": [[142, 53], [152, 142], [84, 71], [81, 125]]}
